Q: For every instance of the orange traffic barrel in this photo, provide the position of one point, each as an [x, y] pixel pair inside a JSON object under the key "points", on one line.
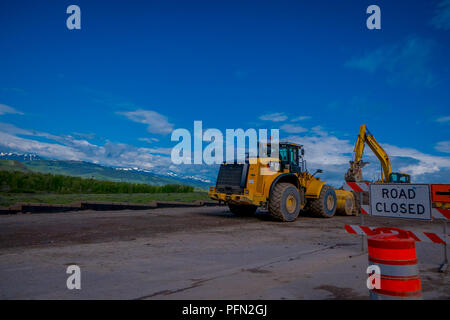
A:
{"points": [[395, 255]]}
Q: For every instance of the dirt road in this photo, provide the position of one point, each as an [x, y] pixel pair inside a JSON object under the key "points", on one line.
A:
{"points": [[195, 253]]}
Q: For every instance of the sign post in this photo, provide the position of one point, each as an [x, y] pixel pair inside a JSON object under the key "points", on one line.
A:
{"points": [[363, 238], [444, 265]]}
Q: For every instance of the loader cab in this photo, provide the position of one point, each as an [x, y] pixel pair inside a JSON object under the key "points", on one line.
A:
{"points": [[291, 156]]}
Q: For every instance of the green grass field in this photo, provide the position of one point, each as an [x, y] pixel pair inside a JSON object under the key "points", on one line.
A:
{"points": [[8, 199]]}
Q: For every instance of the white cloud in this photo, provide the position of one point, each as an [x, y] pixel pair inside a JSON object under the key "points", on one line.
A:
{"points": [[4, 109], [290, 128], [11, 129], [51, 150], [157, 123], [70, 148], [324, 150], [301, 118], [443, 119], [318, 130], [148, 140], [67, 140], [275, 117], [425, 163], [443, 146], [420, 168]]}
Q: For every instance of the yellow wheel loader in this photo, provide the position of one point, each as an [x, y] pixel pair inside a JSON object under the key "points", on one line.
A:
{"points": [[282, 185]]}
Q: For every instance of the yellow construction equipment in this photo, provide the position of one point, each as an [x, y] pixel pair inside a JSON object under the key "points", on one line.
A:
{"points": [[354, 173], [346, 205], [280, 184]]}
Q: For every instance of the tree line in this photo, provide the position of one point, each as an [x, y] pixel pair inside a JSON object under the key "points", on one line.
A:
{"points": [[24, 182]]}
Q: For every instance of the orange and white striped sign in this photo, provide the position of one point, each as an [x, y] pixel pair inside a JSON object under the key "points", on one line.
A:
{"points": [[365, 209], [356, 186], [440, 213], [440, 193], [417, 236], [359, 187]]}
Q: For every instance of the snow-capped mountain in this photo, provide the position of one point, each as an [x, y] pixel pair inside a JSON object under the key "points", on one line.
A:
{"points": [[19, 156], [169, 174]]}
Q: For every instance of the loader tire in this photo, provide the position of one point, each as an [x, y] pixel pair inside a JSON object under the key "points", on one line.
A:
{"points": [[242, 210], [285, 202], [325, 205]]}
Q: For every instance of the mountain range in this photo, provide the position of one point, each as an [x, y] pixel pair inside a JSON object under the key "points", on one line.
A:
{"points": [[34, 163]]}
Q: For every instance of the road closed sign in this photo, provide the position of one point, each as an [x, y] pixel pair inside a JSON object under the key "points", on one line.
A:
{"points": [[410, 201]]}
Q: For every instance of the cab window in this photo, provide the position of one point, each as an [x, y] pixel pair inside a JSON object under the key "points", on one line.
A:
{"points": [[284, 155], [394, 177], [293, 156]]}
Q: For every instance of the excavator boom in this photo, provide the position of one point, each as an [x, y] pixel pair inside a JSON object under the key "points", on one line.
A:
{"points": [[354, 173]]}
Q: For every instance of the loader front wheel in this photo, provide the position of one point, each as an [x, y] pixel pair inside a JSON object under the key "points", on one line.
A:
{"points": [[242, 210], [285, 202], [325, 205]]}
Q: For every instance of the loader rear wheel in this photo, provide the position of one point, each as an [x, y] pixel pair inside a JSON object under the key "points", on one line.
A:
{"points": [[325, 205], [242, 210], [285, 202]]}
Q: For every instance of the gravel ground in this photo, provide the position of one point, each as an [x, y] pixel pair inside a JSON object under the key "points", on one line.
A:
{"points": [[195, 253]]}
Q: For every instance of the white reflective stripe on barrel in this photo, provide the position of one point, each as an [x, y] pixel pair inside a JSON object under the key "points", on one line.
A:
{"points": [[396, 270]]}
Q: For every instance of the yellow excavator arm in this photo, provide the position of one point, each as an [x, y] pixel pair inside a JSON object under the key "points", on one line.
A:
{"points": [[364, 137], [355, 172]]}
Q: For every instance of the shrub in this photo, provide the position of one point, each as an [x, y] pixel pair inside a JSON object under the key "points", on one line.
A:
{"points": [[23, 182]]}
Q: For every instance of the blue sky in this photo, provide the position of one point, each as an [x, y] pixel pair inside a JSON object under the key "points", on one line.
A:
{"points": [[113, 91]]}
